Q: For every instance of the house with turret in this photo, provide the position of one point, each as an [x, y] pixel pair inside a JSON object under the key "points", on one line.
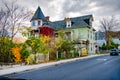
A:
{"points": [[39, 24], [78, 29]]}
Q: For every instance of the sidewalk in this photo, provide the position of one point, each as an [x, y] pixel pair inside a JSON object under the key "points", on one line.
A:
{"points": [[30, 67]]}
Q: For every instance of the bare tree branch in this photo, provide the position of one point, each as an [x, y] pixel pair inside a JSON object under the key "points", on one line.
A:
{"points": [[13, 17], [107, 25]]}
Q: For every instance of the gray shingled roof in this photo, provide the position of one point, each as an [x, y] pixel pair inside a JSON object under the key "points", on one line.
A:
{"points": [[38, 14], [82, 21]]}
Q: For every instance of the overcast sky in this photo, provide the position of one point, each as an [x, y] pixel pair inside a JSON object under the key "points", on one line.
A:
{"points": [[58, 9]]}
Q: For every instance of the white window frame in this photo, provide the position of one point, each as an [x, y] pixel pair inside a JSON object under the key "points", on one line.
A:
{"points": [[68, 23]]}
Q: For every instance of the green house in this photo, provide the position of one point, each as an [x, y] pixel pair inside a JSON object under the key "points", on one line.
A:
{"points": [[78, 29]]}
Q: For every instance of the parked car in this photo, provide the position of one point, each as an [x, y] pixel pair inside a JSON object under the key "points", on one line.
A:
{"points": [[114, 52], [119, 51]]}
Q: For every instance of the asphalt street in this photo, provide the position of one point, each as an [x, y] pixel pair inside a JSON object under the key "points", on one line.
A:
{"points": [[97, 68]]}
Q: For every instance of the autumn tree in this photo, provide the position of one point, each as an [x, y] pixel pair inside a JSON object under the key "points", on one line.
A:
{"points": [[37, 45], [16, 53], [108, 24], [60, 44], [12, 17]]}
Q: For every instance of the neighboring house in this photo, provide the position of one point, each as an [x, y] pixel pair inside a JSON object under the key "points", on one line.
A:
{"points": [[78, 29], [100, 38], [99, 35]]}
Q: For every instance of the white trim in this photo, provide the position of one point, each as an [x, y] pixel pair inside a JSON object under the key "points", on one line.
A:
{"points": [[68, 23]]}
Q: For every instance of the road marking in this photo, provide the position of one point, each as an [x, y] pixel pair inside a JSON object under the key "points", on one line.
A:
{"points": [[110, 61], [101, 59]]}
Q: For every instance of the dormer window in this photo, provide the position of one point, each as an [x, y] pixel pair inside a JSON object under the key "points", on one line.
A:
{"points": [[68, 23]]}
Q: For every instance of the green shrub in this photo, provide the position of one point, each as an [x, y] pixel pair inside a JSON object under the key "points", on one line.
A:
{"points": [[25, 53]]}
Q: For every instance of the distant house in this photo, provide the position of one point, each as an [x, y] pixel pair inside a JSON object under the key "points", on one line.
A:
{"points": [[99, 35], [78, 29], [100, 38]]}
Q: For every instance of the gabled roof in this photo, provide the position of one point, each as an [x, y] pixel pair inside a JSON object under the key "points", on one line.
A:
{"points": [[82, 21], [38, 14]]}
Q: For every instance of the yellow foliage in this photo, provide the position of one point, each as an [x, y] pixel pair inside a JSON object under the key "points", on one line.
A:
{"points": [[46, 39], [33, 42], [30, 59], [16, 54]]}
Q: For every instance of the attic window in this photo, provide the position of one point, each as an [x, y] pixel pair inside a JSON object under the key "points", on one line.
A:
{"points": [[68, 23]]}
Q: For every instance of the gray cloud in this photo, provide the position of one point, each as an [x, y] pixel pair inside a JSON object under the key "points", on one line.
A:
{"points": [[58, 9]]}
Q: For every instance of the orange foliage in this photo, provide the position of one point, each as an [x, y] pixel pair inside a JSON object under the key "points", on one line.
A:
{"points": [[16, 54]]}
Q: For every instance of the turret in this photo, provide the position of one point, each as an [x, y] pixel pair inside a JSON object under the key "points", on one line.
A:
{"points": [[37, 19]]}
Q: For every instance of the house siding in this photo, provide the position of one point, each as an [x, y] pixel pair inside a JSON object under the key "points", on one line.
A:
{"points": [[84, 34]]}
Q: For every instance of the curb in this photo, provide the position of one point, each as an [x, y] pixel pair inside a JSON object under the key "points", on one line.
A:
{"points": [[31, 67]]}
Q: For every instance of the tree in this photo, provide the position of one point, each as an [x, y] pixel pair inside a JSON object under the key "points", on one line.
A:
{"points": [[5, 49], [37, 45], [25, 31], [16, 53], [108, 24], [103, 46], [25, 53], [60, 44], [111, 45], [12, 17]]}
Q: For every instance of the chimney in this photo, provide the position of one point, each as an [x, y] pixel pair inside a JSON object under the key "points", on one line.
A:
{"points": [[66, 18], [47, 18]]}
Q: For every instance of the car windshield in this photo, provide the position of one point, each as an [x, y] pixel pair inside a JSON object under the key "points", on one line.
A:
{"points": [[113, 50]]}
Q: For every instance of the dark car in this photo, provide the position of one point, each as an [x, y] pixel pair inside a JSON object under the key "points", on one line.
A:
{"points": [[119, 51], [114, 52]]}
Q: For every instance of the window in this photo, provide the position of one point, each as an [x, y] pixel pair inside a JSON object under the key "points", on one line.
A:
{"points": [[68, 23], [33, 23], [40, 23]]}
